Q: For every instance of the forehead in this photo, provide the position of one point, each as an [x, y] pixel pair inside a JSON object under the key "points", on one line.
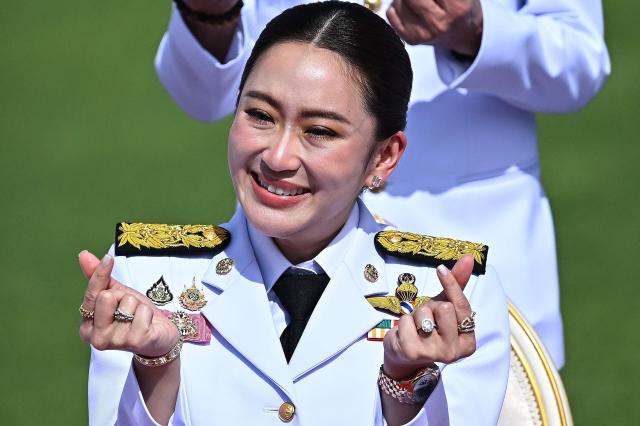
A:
{"points": [[301, 73]]}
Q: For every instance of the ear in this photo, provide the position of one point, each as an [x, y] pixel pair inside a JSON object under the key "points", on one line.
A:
{"points": [[386, 156]]}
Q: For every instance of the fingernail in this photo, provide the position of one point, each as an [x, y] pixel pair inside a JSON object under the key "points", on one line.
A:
{"points": [[105, 260], [83, 251], [444, 271]]}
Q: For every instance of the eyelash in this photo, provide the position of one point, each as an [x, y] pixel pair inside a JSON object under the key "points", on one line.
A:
{"points": [[259, 116], [321, 132], [263, 118]]}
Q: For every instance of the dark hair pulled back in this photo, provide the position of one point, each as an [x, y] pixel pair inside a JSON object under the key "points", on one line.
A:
{"points": [[362, 39]]}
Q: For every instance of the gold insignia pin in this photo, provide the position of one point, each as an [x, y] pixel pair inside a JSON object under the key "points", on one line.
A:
{"points": [[186, 326], [224, 266], [192, 298], [159, 292], [370, 273], [405, 300]]}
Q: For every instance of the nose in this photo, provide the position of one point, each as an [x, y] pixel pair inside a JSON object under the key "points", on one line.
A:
{"points": [[283, 153]]}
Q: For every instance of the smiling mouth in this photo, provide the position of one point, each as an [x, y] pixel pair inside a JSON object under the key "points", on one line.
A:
{"points": [[285, 192]]}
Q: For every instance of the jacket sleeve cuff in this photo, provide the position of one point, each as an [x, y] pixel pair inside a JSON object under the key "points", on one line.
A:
{"points": [[133, 410], [196, 79], [420, 419], [456, 72]]}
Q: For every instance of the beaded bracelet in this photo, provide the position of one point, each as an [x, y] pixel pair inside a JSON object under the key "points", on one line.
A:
{"points": [[209, 19]]}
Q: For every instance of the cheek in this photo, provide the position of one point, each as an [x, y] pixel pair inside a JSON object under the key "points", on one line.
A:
{"points": [[341, 171], [242, 145]]}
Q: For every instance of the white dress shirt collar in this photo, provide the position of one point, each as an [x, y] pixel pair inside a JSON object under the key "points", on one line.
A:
{"points": [[272, 262]]}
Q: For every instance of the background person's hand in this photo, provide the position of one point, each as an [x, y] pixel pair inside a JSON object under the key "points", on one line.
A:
{"points": [[453, 24], [149, 334], [407, 350]]}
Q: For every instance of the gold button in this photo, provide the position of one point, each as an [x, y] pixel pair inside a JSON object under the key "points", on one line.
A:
{"points": [[286, 412], [373, 5]]}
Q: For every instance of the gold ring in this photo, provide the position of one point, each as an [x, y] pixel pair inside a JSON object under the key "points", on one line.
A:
{"points": [[86, 314], [120, 315], [468, 324]]}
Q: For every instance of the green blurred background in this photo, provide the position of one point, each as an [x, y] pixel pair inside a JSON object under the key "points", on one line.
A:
{"points": [[89, 137]]}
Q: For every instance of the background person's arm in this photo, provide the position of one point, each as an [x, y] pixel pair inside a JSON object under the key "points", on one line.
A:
{"points": [[202, 72], [547, 56]]}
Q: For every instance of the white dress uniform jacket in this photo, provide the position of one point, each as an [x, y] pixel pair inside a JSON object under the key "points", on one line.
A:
{"points": [[242, 377], [471, 170]]}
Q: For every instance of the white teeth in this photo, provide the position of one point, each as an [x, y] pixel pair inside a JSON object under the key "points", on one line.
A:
{"points": [[279, 191]]}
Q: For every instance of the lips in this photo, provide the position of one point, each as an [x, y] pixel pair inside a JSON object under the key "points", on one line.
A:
{"points": [[284, 189]]}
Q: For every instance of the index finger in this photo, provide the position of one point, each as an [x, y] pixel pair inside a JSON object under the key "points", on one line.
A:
{"points": [[453, 292], [99, 280]]}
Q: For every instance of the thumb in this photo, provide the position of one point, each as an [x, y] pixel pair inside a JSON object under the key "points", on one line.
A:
{"points": [[88, 263], [462, 270]]}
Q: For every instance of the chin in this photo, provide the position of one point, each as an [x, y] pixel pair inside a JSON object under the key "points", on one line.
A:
{"points": [[277, 224]]}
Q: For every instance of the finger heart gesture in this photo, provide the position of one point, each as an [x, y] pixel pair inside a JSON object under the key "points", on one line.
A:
{"points": [[115, 316], [441, 330]]}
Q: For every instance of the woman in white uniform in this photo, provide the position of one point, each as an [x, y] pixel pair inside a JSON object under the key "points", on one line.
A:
{"points": [[301, 309], [471, 170]]}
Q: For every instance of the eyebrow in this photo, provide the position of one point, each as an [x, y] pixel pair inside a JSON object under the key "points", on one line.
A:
{"points": [[310, 113]]}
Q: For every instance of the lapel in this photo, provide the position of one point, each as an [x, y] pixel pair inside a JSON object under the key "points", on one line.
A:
{"points": [[343, 315], [239, 308]]}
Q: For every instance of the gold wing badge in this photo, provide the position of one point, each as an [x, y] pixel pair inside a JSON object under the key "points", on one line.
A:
{"points": [[431, 251], [405, 300], [153, 239]]}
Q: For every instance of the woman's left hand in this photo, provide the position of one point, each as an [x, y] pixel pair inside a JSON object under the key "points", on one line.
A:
{"points": [[408, 349]]}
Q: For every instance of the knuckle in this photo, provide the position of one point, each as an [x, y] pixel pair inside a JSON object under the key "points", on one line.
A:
{"points": [[99, 342], [129, 299], [104, 297], [85, 334], [144, 310], [446, 308], [449, 355]]}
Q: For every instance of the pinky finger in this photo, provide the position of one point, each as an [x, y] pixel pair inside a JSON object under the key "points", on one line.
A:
{"points": [[139, 330]]}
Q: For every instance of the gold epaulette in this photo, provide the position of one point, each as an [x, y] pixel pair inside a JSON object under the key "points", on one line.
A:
{"points": [[431, 251], [154, 239]]}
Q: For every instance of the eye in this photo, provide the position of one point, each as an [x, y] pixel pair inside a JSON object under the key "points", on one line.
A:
{"points": [[321, 132], [259, 116]]}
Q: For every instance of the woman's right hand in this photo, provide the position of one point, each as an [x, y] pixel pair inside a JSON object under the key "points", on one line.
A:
{"points": [[150, 334]]}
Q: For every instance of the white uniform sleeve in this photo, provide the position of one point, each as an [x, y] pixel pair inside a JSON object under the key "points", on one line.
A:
{"points": [[473, 388], [202, 86], [548, 56], [471, 391], [114, 394]]}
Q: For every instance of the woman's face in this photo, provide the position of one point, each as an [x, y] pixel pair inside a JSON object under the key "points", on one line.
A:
{"points": [[300, 145]]}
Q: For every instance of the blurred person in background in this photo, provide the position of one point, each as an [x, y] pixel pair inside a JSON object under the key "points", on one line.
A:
{"points": [[482, 68], [288, 304]]}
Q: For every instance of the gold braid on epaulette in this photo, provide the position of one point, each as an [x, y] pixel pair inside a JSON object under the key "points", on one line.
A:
{"points": [[149, 237], [430, 250]]}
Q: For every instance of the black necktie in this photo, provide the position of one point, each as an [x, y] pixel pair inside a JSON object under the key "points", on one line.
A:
{"points": [[299, 293]]}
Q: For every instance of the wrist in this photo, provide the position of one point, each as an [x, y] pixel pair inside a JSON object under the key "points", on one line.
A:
{"points": [[211, 7], [414, 390], [220, 15], [402, 371]]}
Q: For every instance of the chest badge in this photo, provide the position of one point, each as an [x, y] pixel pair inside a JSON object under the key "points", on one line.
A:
{"points": [[224, 266], [406, 299], [192, 298], [159, 292], [370, 273]]}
